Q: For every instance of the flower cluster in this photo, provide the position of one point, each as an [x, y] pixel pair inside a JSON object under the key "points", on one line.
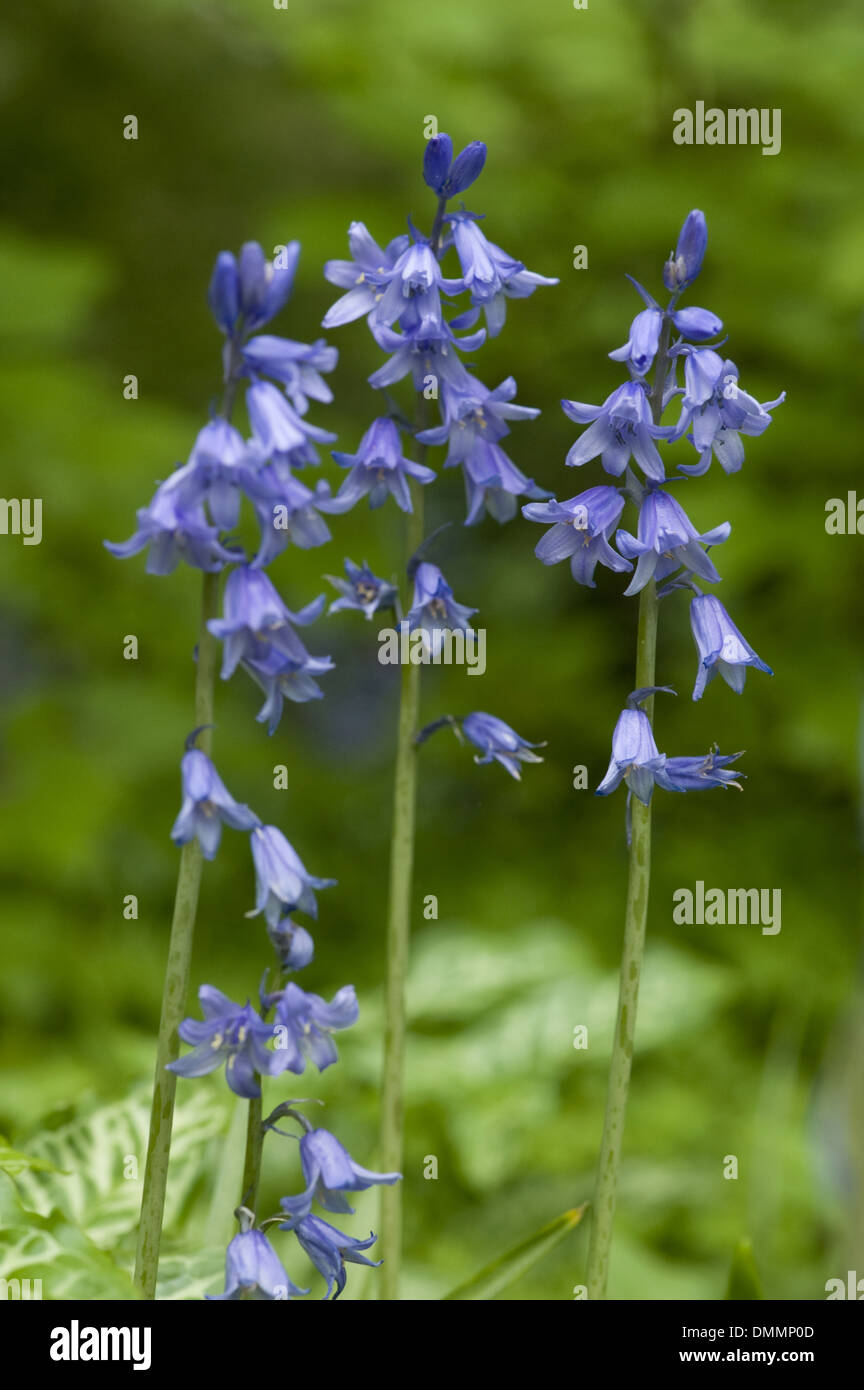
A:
{"points": [[232, 1033], [406, 299], [408, 303], [194, 512], [189, 518], [625, 432], [290, 1029], [253, 1269]]}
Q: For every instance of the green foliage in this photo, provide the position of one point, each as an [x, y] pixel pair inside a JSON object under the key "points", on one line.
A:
{"points": [[285, 125], [743, 1278], [13, 1162], [52, 1250], [508, 1268], [70, 1204]]}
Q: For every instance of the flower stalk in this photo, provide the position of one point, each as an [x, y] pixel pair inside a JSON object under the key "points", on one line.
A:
{"points": [[667, 555], [254, 1151], [402, 292], [398, 937], [177, 971]]}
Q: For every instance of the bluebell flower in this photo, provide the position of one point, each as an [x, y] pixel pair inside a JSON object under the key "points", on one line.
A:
{"points": [[437, 158], [230, 1033], [685, 262], [471, 412], [641, 346], [253, 613], [474, 420], [298, 366], [448, 177], [362, 590], [496, 740], [720, 645], [425, 348], [700, 773], [207, 804], [264, 284], [668, 539], [288, 512], [434, 608], [467, 166], [281, 880], [621, 426], [493, 482], [276, 425], [222, 465], [379, 470], [284, 678], [416, 278], [490, 274], [697, 324], [329, 1250], [580, 529], [254, 1271], [224, 292], [330, 1172], [365, 277], [174, 527], [292, 944], [635, 757], [253, 289], [304, 1024], [716, 412]]}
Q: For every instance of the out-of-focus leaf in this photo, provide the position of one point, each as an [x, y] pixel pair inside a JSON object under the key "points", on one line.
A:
{"points": [[14, 1162], [96, 1162], [57, 1259], [185, 1275], [504, 1271], [744, 1280]]}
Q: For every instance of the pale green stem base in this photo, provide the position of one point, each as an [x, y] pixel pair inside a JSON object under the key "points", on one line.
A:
{"points": [[638, 883], [398, 935], [176, 979]]}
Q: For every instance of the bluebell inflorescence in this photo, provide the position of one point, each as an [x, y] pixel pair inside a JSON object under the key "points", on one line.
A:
{"points": [[626, 432], [192, 518], [407, 302], [418, 315]]}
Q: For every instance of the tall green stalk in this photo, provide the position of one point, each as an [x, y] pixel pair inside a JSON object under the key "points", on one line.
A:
{"points": [[398, 935], [636, 916], [176, 977], [635, 920], [252, 1161]]}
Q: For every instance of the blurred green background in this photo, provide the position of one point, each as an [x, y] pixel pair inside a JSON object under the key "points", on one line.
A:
{"points": [[269, 124]]}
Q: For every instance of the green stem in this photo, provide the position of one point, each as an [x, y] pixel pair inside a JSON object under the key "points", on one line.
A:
{"points": [[635, 921], [176, 978], [638, 881], [398, 934], [252, 1163]]}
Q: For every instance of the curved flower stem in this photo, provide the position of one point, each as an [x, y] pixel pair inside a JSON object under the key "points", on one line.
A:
{"points": [[176, 976], [398, 934], [252, 1162], [635, 920]]}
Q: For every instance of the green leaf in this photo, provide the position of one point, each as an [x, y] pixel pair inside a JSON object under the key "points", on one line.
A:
{"points": [[94, 1164], [190, 1274], [744, 1283], [508, 1268], [56, 1260], [13, 1161]]}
